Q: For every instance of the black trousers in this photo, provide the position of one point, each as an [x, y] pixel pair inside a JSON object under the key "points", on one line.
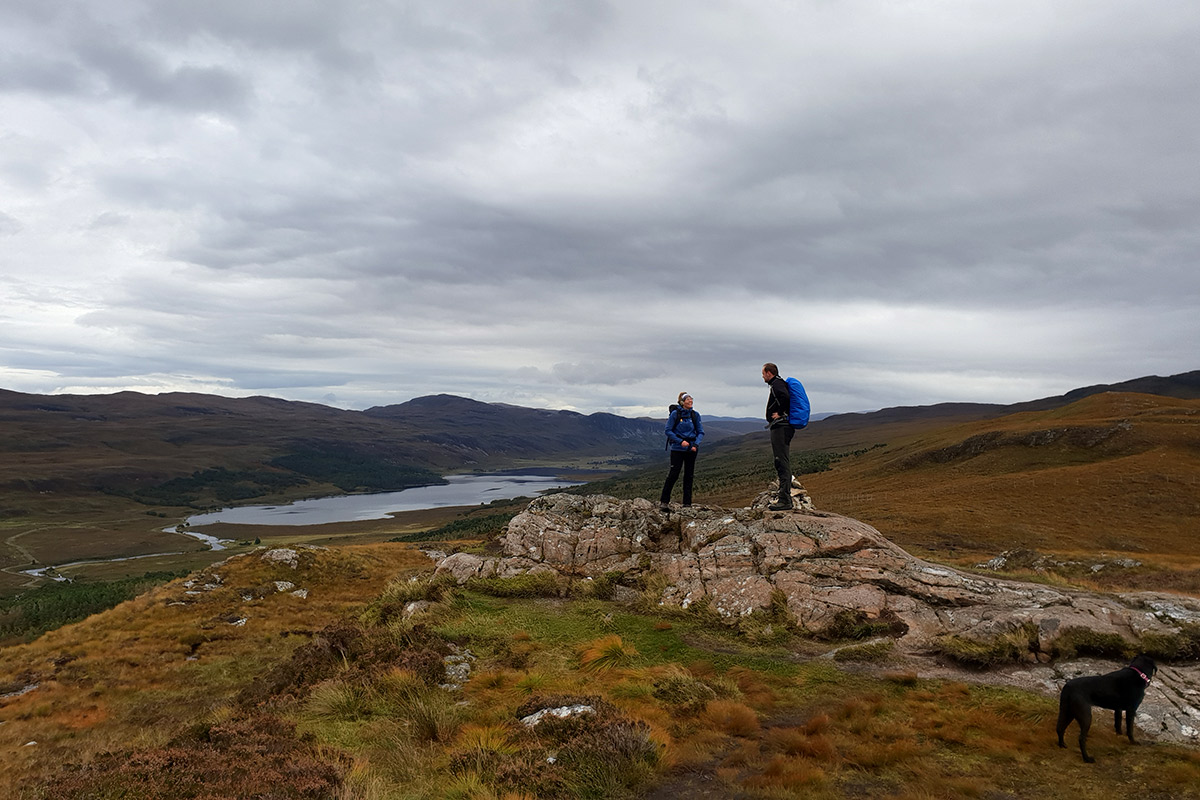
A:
{"points": [[687, 460], [781, 450]]}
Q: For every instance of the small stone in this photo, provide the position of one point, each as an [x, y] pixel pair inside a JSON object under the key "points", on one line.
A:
{"points": [[561, 712], [283, 555]]}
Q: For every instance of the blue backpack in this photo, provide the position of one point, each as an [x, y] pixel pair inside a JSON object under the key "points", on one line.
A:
{"points": [[798, 408]]}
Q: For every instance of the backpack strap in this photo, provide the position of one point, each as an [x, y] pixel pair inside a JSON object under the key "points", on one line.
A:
{"points": [[679, 416]]}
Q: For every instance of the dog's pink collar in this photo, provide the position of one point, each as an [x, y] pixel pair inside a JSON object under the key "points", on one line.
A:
{"points": [[1139, 672]]}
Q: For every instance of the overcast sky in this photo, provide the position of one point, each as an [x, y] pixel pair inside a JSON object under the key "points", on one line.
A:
{"points": [[594, 205]]}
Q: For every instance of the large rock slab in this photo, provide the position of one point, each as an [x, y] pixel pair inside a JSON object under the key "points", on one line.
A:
{"points": [[820, 563]]}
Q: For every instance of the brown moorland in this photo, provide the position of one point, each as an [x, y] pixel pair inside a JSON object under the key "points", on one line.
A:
{"points": [[1116, 474]]}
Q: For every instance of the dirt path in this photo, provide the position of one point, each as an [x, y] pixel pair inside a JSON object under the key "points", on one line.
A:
{"points": [[29, 581]]}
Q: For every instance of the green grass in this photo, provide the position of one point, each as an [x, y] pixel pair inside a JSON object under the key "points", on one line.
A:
{"points": [[567, 624]]}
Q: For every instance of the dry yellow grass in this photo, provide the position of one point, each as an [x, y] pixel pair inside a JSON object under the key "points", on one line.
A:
{"points": [[124, 676], [732, 717], [606, 654]]}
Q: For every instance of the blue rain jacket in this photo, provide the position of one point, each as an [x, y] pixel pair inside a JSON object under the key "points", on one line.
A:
{"points": [[680, 428]]}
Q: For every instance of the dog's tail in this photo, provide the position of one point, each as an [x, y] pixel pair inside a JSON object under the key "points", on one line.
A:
{"points": [[1064, 718]]}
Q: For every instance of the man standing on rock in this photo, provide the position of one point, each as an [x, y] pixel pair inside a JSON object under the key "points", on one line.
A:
{"points": [[778, 404]]}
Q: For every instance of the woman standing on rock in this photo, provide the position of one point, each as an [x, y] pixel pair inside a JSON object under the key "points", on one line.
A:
{"points": [[684, 433]]}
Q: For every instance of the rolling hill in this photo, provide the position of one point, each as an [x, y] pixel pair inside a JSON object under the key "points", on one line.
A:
{"points": [[187, 449], [1116, 472]]}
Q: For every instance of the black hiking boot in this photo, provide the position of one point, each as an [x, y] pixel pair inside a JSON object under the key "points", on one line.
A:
{"points": [[781, 505]]}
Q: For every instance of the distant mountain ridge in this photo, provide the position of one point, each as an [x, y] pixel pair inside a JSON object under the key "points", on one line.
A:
{"points": [[183, 448], [194, 448], [503, 427], [838, 430]]}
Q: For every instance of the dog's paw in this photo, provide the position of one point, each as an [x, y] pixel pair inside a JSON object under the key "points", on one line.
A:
{"points": [[1089, 760]]}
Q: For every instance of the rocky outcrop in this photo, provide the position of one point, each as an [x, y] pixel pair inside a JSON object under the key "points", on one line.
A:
{"points": [[819, 563]]}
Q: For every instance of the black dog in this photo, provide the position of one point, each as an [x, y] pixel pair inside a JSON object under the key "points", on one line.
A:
{"points": [[1122, 690]]}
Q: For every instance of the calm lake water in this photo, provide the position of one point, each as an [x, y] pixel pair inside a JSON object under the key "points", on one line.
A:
{"points": [[462, 490]]}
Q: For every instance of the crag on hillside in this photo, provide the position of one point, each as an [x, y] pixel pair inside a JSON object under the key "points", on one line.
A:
{"points": [[824, 564]]}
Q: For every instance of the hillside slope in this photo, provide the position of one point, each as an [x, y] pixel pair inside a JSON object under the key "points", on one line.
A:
{"points": [[1112, 472], [852, 431], [306, 675]]}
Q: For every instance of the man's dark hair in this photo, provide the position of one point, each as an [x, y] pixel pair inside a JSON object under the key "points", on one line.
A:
{"points": [[771, 368]]}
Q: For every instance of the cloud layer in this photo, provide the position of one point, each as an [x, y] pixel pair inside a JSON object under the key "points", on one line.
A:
{"points": [[594, 205]]}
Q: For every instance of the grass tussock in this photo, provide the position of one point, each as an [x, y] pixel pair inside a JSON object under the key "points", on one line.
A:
{"points": [[683, 692], [855, 625], [1074, 642], [606, 654], [1011, 647], [401, 593], [428, 713], [604, 587], [731, 717], [531, 584], [339, 700], [480, 748], [1181, 646]]}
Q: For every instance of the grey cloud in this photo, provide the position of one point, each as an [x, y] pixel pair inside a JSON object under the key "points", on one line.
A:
{"points": [[26, 162], [287, 24], [605, 374], [134, 70], [109, 219], [34, 74], [308, 29]]}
